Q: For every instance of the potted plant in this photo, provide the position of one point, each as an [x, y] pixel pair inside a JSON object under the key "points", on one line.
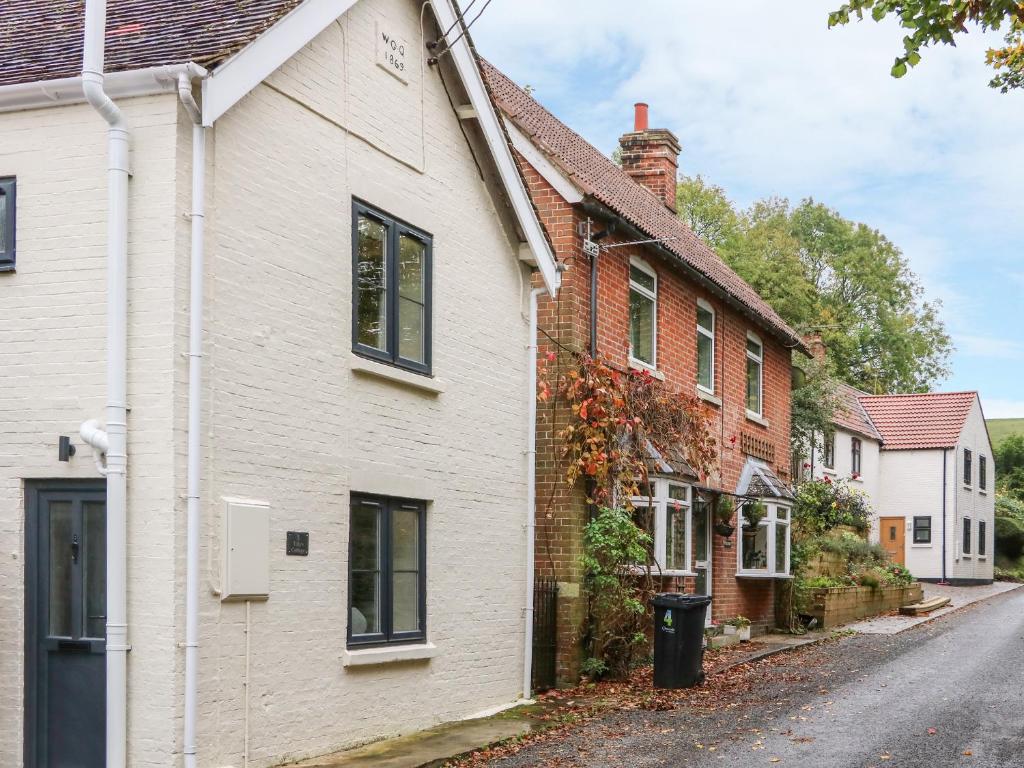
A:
{"points": [[754, 512], [741, 625], [723, 516]]}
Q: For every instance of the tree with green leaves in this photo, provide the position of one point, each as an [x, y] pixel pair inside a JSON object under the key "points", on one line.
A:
{"points": [[824, 273], [931, 22]]}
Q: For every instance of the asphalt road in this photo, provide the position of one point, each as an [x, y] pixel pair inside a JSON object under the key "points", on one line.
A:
{"points": [[947, 693]]}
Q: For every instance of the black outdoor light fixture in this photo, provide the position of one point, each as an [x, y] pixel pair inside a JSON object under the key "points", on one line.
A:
{"points": [[65, 450]]}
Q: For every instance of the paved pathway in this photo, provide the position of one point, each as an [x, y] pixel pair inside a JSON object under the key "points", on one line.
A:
{"points": [[958, 598]]}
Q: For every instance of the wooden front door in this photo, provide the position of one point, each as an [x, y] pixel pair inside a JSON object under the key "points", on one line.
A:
{"points": [[891, 536]]}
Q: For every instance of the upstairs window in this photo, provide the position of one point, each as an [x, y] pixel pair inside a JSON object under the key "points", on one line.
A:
{"points": [[387, 584], [705, 346], [982, 472], [7, 219], [855, 456], [968, 469], [643, 314], [828, 450], [390, 290], [755, 376]]}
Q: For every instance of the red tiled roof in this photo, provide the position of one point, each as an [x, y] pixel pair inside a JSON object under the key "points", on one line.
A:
{"points": [[42, 39], [598, 177], [851, 416], [908, 422]]}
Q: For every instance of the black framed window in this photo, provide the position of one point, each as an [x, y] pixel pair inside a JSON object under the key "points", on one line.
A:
{"points": [[387, 595], [981, 538], [8, 189], [391, 295], [922, 530], [828, 452], [968, 469], [855, 456], [967, 535], [982, 472]]}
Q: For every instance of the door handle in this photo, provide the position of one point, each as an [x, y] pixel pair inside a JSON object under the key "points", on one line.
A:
{"points": [[74, 548]]}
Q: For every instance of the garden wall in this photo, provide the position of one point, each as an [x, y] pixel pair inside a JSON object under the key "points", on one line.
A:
{"points": [[840, 605]]}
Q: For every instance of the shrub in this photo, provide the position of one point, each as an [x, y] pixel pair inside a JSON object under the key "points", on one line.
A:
{"points": [[821, 505], [613, 545], [854, 549], [1009, 535]]}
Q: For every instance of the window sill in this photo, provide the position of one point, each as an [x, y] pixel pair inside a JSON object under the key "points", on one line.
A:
{"points": [[757, 419], [921, 546], [640, 365], [373, 369], [828, 471], [756, 575], [983, 492], [708, 397], [968, 487], [983, 557], [364, 657]]}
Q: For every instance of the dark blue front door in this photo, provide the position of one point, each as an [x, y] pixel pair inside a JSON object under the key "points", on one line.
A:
{"points": [[65, 686]]}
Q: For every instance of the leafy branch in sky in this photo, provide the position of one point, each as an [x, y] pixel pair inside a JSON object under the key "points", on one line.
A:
{"points": [[930, 22]]}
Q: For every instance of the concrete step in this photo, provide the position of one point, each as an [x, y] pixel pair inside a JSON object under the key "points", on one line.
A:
{"points": [[924, 607]]}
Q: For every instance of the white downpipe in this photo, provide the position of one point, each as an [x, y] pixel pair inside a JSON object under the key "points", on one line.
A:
{"points": [[531, 488], [117, 367], [194, 461]]}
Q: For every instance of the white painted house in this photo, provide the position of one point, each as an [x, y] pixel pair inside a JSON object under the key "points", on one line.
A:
{"points": [[292, 307], [925, 463]]}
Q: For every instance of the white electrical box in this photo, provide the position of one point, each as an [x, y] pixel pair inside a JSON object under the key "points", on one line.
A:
{"points": [[246, 543]]}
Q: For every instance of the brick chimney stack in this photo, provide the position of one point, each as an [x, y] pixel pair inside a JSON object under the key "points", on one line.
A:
{"points": [[651, 157], [814, 343]]}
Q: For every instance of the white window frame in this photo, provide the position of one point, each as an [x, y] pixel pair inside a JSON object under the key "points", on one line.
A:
{"points": [[661, 502], [770, 521], [653, 296], [759, 359], [702, 331]]}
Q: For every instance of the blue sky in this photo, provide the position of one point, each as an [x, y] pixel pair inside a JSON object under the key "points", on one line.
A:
{"points": [[767, 101]]}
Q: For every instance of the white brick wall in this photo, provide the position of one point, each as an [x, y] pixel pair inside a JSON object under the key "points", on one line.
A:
{"points": [[911, 485], [971, 502], [52, 323], [285, 419], [288, 422]]}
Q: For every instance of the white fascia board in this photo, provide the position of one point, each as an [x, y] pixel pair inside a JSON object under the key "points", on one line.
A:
{"points": [[253, 64], [535, 157], [472, 81], [118, 85]]}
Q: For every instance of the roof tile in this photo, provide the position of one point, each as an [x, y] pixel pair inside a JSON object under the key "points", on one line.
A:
{"points": [[850, 414], [909, 422], [42, 39], [597, 176]]}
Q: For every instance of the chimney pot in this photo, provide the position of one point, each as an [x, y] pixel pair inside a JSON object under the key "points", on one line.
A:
{"points": [[640, 117]]}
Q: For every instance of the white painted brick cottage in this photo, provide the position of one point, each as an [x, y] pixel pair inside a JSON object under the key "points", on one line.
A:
{"points": [[339, 552]]}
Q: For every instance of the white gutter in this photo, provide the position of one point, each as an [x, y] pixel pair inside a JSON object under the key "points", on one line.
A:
{"points": [[117, 366], [531, 488], [195, 350], [69, 90]]}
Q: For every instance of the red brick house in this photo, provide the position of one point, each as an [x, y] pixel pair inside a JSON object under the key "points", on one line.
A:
{"points": [[672, 307]]}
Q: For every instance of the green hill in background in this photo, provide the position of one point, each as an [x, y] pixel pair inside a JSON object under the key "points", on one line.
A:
{"points": [[1000, 429]]}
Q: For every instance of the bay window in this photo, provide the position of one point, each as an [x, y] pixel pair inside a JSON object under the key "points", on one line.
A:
{"points": [[643, 314], [755, 376], [665, 515], [705, 347], [764, 544]]}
